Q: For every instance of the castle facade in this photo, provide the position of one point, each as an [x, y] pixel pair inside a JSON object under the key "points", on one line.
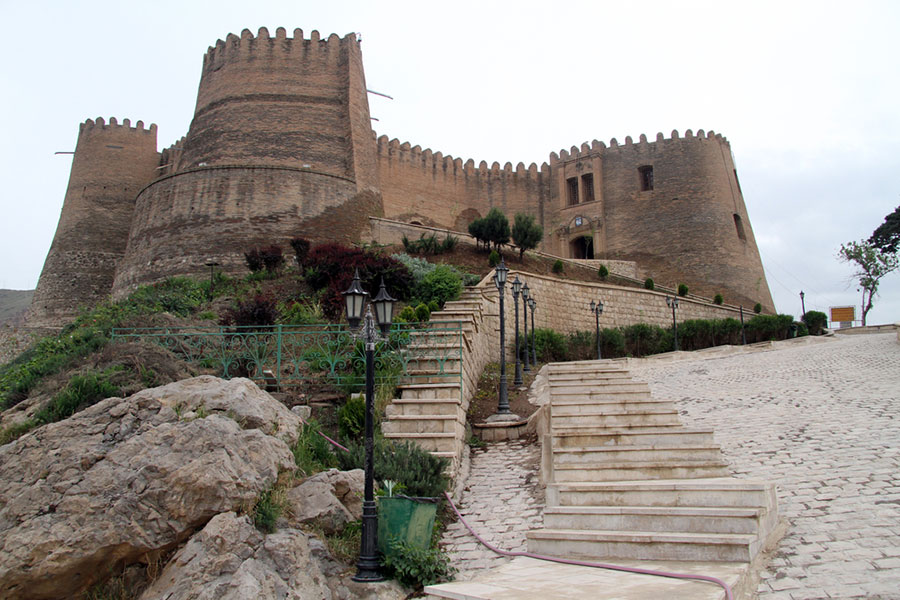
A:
{"points": [[281, 146]]}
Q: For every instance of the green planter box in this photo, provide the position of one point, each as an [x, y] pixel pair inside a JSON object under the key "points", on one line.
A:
{"points": [[409, 520]]}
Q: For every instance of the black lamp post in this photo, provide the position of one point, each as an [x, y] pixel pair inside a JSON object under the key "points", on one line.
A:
{"points": [[526, 296], [532, 303], [802, 303], [597, 309], [354, 299], [672, 301], [516, 288], [500, 281], [212, 269], [743, 331]]}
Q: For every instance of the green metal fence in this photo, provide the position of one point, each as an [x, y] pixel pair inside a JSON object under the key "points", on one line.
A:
{"points": [[300, 356]]}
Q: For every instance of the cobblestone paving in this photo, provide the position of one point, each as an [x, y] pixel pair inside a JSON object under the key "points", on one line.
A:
{"points": [[502, 501], [823, 421]]}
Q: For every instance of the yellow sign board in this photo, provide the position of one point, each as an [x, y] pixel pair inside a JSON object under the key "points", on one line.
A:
{"points": [[843, 313]]}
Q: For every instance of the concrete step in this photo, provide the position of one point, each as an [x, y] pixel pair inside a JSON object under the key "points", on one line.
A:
{"points": [[693, 519], [586, 366], [570, 387], [423, 406], [433, 442], [602, 455], [422, 424], [640, 470], [633, 418], [711, 492], [429, 390], [645, 545], [666, 435], [589, 406], [601, 376]]}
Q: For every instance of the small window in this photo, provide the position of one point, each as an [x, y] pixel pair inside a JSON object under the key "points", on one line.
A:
{"points": [[738, 182], [646, 174], [572, 190], [739, 226], [587, 186]]}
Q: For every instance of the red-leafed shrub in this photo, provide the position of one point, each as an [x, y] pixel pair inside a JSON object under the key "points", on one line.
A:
{"points": [[258, 310], [332, 266], [269, 258]]}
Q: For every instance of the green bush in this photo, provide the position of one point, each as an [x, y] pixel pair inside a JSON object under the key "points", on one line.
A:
{"points": [[549, 345], [305, 312], [494, 258], [441, 284], [415, 567], [352, 418], [301, 250], [558, 267], [757, 308], [648, 284], [603, 272], [642, 339], [526, 234], [422, 313], [612, 343], [407, 315], [802, 329], [682, 289], [763, 328], [430, 244], [815, 321], [420, 472], [312, 453], [268, 508], [433, 306], [718, 299]]}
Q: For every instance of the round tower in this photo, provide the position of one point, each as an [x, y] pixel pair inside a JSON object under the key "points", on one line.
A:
{"points": [[111, 163], [280, 146]]}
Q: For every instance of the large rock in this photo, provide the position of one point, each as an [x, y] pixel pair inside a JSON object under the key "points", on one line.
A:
{"points": [[124, 478], [329, 499]]}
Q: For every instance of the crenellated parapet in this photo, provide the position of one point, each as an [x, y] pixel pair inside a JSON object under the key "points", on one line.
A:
{"points": [[100, 124], [661, 143], [263, 46]]}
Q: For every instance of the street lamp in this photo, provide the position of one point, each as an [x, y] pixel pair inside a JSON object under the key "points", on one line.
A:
{"points": [[743, 330], [500, 272], [802, 303], [526, 296], [597, 309], [516, 288], [672, 301], [354, 299], [212, 269], [532, 303]]}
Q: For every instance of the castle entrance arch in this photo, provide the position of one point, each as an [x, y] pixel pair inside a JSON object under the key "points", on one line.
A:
{"points": [[582, 247]]}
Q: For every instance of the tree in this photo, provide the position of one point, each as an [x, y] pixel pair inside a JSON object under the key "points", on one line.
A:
{"points": [[477, 231], [496, 228], [526, 233], [872, 264], [887, 237]]}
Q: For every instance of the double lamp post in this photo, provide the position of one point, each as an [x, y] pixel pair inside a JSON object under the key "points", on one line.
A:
{"points": [[518, 287]]}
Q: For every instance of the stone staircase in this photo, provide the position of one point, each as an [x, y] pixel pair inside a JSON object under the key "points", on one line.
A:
{"points": [[626, 480], [432, 403]]}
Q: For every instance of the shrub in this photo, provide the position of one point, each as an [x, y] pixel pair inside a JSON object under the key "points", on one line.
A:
{"points": [[441, 284], [258, 310], [757, 308], [268, 508], [762, 328], [494, 258], [642, 339], [682, 289], [420, 472], [430, 244], [802, 329], [408, 315], [477, 231], [558, 267], [422, 313], [254, 260], [526, 234], [496, 228], [612, 343], [269, 258], [352, 417], [581, 345], [304, 312], [648, 284], [415, 567], [433, 306], [718, 299], [312, 453], [549, 345], [603, 272], [815, 321], [301, 250]]}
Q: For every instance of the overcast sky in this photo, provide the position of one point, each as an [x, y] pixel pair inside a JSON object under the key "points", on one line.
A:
{"points": [[806, 92]]}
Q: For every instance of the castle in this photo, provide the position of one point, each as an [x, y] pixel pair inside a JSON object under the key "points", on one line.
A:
{"points": [[281, 146]]}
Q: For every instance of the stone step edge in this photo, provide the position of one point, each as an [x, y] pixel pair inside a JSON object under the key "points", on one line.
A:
{"points": [[422, 417], [646, 537], [640, 430], [630, 448], [679, 511], [416, 436], [674, 463], [727, 484]]}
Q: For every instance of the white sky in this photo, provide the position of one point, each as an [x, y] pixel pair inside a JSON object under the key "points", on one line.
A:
{"points": [[807, 93]]}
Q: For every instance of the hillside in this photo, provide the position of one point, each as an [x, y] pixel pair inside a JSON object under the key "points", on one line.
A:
{"points": [[13, 304]]}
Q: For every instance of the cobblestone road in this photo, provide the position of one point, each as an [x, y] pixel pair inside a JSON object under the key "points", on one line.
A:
{"points": [[823, 421], [502, 501]]}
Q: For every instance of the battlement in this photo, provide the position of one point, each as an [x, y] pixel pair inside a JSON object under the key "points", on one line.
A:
{"points": [[100, 123], [414, 156], [248, 47], [595, 147]]}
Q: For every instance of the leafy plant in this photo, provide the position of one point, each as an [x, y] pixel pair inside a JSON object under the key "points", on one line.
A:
{"points": [[648, 284], [423, 313], [549, 345], [421, 473], [526, 234], [269, 258], [415, 567], [301, 250], [440, 284], [408, 315], [815, 321], [268, 508], [558, 267], [682, 289], [312, 453], [603, 272], [304, 312], [871, 265], [494, 258], [257, 310], [352, 417], [757, 308], [718, 299]]}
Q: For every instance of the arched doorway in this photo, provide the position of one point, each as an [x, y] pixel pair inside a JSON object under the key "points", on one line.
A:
{"points": [[582, 247]]}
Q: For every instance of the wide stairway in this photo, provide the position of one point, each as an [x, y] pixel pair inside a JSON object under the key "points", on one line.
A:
{"points": [[626, 480], [431, 408]]}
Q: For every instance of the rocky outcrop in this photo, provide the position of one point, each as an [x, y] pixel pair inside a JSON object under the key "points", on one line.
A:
{"points": [[329, 499], [129, 477]]}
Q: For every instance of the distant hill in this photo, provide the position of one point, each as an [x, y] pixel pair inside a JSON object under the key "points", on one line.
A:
{"points": [[13, 304]]}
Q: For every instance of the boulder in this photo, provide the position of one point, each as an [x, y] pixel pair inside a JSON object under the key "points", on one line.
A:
{"points": [[329, 499], [129, 477]]}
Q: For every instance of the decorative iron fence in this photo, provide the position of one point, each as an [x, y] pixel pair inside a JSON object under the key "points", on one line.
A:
{"points": [[300, 356]]}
